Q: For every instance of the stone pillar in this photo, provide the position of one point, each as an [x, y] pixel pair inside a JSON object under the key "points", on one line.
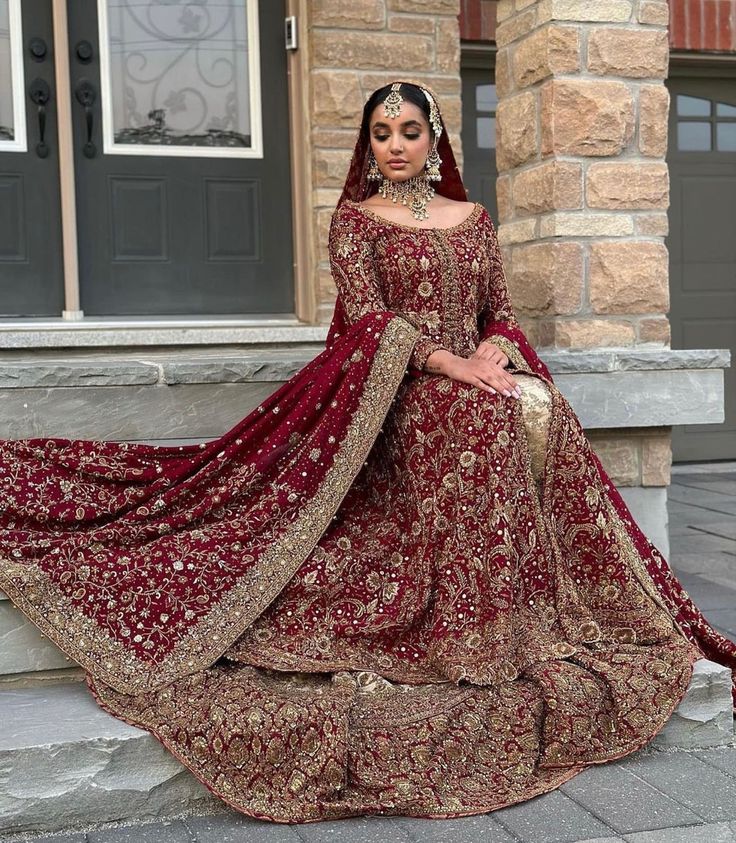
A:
{"points": [[583, 191], [355, 48]]}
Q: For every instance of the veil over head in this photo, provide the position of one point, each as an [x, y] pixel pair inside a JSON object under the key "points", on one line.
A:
{"points": [[357, 187]]}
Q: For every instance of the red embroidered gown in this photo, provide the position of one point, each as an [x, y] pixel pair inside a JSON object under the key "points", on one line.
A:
{"points": [[383, 591]]}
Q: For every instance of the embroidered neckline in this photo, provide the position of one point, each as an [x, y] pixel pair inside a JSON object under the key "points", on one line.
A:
{"points": [[477, 208]]}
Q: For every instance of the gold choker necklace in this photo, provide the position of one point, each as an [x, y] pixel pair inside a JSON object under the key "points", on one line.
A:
{"points": [[414, 192]]}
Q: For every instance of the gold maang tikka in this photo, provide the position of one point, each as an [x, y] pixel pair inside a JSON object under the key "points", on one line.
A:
{"points": [[392, 108], [392, 103]]}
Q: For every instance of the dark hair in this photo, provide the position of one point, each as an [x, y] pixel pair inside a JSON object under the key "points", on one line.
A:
{"points": [[410, 92]]}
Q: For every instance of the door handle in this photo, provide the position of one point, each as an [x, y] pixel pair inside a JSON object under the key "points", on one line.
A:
{"points": [[86, 96], [40, 93]]}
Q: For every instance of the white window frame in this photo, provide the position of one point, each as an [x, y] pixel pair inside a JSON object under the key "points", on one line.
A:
{"points": [[17, 81]]}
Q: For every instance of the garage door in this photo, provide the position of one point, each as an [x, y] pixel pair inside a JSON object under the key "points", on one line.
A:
{"points": [[702, 242]]}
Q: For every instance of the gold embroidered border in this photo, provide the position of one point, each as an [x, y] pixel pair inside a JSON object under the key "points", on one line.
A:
{"points": [[452, 316], [638, 565], [90, 646], [630, 553]]}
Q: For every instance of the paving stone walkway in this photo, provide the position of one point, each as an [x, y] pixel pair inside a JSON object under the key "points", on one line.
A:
{"points": [[649, 797]]}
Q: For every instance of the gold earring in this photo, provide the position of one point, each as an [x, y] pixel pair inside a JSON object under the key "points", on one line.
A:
{"points": [[373, 174], [433, 164]]}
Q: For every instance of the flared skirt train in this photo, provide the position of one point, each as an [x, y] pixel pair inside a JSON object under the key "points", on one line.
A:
{"points": [[477, 624]]}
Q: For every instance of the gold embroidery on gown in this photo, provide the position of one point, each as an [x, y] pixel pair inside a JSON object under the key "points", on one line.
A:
{"points": [[457, 640], [536, 406], [477, 624]]}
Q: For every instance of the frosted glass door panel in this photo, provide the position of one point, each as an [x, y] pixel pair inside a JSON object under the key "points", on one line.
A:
{"points": [[180, 78]]}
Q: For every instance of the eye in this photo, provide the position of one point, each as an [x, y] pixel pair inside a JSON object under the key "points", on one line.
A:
{"points": [[412, 135], [380, 137]]}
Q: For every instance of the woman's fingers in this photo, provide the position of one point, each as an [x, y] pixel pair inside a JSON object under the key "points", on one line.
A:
{"points": [[503, 382], [512, 382], [504, 378], [495, 385], [492, 377], [498, 357], [484, 385]]}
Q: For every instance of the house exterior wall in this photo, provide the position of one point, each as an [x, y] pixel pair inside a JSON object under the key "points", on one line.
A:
{"points": [[698, 25]]}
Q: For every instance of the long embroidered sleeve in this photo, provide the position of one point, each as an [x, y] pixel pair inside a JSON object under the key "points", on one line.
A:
{"points": [[356, 276], [497, 307], [497, 322]]}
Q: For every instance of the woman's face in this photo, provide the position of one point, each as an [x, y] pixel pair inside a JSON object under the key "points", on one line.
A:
{"points": [[400, 144]]}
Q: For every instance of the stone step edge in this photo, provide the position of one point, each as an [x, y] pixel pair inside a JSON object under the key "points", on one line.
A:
{"points": [[66, 762], [244, 364]]}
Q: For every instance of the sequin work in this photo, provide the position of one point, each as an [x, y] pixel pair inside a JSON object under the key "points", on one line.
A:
{"points": [[384, 591]]}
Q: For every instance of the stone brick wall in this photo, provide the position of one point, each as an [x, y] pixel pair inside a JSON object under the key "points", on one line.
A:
{"points": [[583, 187], [355, 48], [634, 456]]}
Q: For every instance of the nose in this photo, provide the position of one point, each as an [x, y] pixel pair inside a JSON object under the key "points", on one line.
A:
{"points": [[396, 145]]}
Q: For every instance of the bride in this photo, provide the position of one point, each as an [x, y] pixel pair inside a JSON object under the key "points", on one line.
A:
{"points": [[404, 583]]}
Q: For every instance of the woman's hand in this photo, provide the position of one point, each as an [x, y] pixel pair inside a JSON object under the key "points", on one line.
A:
{"points": [[478, 371], [483, 373], [490, 351]]}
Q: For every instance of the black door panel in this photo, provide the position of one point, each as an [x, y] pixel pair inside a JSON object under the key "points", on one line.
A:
{"points": [[179, 235], [31, 279]]}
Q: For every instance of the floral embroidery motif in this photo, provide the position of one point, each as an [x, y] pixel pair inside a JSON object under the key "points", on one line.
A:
{"points": [[379, 592]]}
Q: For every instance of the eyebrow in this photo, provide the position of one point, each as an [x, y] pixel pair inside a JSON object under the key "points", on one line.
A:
{"points": [[405, 123]]}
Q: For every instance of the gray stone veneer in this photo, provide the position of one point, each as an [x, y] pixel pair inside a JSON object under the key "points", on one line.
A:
{"points": [[50, 393]]}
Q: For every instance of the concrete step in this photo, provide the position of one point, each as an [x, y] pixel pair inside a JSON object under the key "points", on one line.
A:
{"points": [[150, 395], [22, 647], [66, 764], [705, 716]]}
